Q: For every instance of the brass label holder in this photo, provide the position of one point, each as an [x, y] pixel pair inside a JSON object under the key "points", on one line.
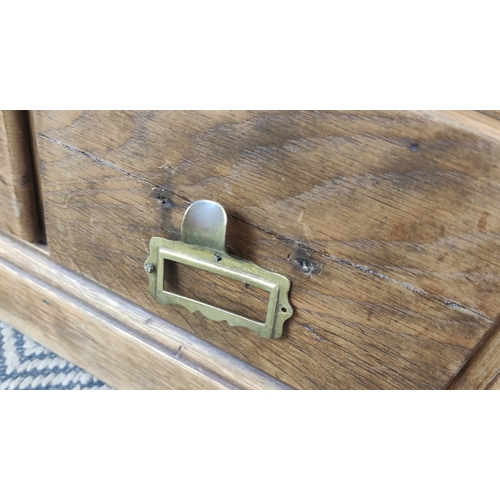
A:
{"points": [[203, 246]]}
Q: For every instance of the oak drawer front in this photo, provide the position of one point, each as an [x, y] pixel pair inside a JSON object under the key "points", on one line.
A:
{"points": [[386, 223]]}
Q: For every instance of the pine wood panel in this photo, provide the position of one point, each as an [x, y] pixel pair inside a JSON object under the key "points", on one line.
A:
{"points": [[18, 203], [112, 338], [386, 223]]}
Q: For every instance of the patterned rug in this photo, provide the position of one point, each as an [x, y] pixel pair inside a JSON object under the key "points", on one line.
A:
{"points": [[24, 364]]}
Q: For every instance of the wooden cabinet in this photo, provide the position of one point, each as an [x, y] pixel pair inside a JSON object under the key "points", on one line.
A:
{"points": [[386, 223]]}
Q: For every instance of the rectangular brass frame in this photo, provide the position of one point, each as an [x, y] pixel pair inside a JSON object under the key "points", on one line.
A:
{"points": [[278, 309]]}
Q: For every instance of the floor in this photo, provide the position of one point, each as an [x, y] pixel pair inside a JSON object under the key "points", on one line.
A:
{"points": [[24, 364]]}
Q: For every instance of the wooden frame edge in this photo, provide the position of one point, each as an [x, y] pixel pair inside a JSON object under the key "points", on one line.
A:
{"points": [[112, 338], [474, 121], [19, 167], [483, 368]]}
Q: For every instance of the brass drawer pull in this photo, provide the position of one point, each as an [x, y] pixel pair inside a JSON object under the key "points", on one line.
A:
{"points": [[203, 246]]}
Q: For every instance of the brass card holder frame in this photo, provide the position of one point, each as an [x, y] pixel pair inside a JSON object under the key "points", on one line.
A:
{"points": [[203, 246]]}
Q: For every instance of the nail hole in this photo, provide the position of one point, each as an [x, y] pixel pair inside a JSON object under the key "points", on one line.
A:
{"points": [[284, 309]]}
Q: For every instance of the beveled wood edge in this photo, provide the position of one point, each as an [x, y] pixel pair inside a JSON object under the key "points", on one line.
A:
{"points": [[483, 368], [19, 163], [495, 384], [118, 330], [473, 121], [482, 371]]}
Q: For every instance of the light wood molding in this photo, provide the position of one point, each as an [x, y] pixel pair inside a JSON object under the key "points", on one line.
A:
{"points": [[112, 338], [18, 201]]}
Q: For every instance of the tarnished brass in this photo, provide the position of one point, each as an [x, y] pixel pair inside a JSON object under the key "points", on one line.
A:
{"points": [[203, 246]]}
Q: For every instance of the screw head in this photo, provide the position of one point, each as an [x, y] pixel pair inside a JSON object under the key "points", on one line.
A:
{"points": [[149, 268]]}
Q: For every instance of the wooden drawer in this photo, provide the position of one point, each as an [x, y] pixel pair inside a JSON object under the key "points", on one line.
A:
{"points": [[386, 224]]}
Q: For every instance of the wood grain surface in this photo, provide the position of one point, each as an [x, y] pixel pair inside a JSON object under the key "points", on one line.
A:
{"points": [[386, 223], [112, 338], [483, 369], [18, 203], [492, 113], [495, 385]]}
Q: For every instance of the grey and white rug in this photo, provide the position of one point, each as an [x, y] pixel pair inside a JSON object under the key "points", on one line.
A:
{"points": [[24, 364]]}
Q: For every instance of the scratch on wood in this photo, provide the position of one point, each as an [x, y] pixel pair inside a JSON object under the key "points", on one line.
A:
{"points": [[408, 286], [370, 272], [106, 163]]}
